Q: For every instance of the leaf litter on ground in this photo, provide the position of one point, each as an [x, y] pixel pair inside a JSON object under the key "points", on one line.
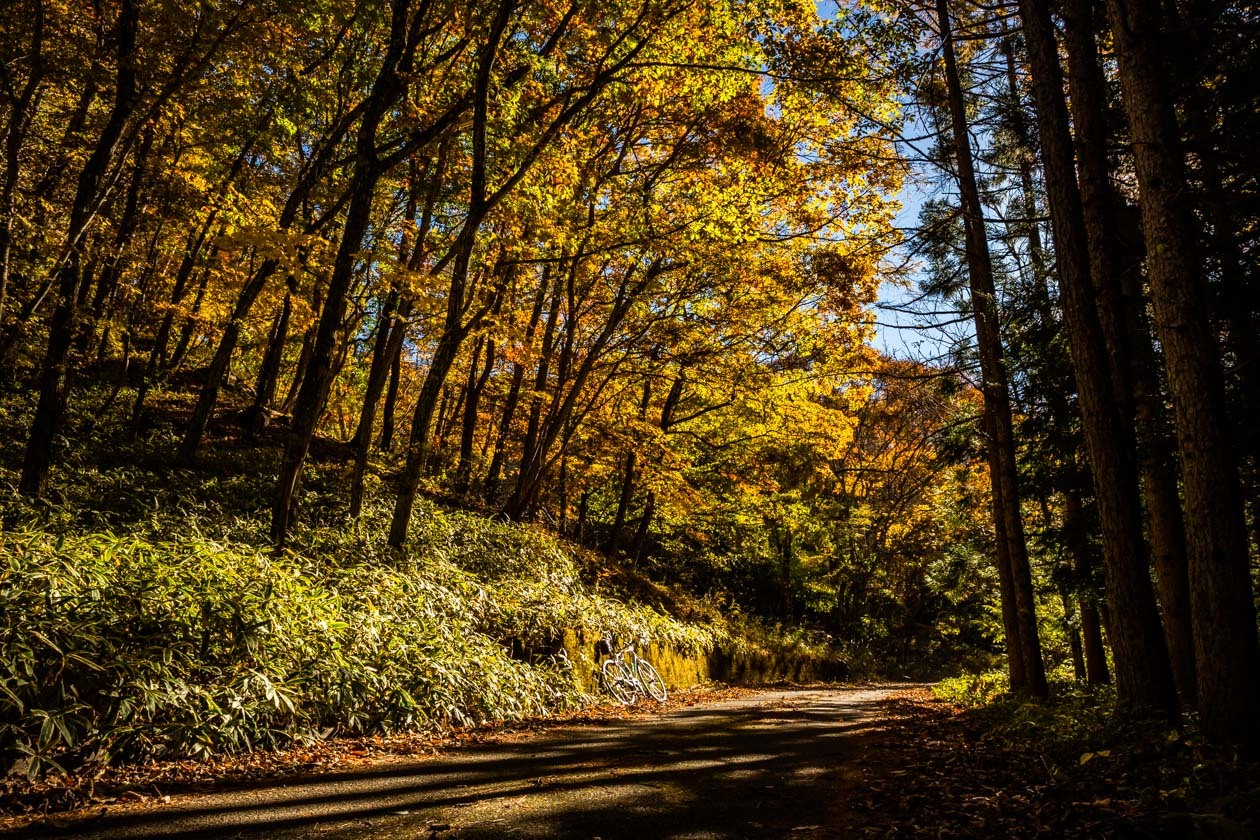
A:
{"points": [[939, 770]]}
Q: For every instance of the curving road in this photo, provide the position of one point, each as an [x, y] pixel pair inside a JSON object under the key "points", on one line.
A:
{"points": [[779, 763]]}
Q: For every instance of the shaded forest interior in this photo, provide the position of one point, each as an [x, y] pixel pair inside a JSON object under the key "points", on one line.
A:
{"points": [[352, 352]]}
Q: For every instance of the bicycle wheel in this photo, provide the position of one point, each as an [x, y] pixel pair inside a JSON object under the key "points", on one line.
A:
{"points": [[618, 683], [651, 681]]}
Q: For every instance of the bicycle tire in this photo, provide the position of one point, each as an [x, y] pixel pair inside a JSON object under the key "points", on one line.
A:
{"points": [[650, 679], [617, 683]]}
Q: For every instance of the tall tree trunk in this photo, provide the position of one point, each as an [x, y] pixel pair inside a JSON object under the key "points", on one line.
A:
{"points": [[379, 366], [584, 506], [390, 84], [392, 329], [418, 449], [269, 368], [304, 353], [1068, 599], [14, 138], [1117, 280], [1222, 610], [993, 372], [645, 522], [1076, 537], [649, 506], [458, 323], [222, 360], [312, 396], [781, 538], [386, 442], [1143, 674], [538, 458], [194, 311], [445, 419], [158, 360], [1074, 635], [475, 387], [542, 372], [127, 224], [623, 502], [390, 344], [1236, 303], [54, 386], [629, 475], [45, 187], [308, 177], [514, 391]]}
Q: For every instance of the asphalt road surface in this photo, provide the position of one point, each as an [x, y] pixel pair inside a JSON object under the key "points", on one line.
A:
{"points": [[778, 763]]}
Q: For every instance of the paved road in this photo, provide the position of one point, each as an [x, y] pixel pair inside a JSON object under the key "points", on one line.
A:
{"points": [[775, 764]]}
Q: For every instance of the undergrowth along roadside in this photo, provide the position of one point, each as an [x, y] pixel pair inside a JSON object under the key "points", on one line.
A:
{"points": [[129, 647], [1067, 768], [968, 759], [141, 618]]}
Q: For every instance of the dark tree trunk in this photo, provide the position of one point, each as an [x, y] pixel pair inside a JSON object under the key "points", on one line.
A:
{"points": [[392, 328], [158, 360], [304, 355], [542, 372], [475, 387], [192, 253], [1222, 609], [49, 182], [584, 504], [1236, 303], [54, 386], [1143, 674], [783, 544], [538, 457], [190, 321], [391, 401], [562, 520], [458, 322], [993, 372], [308, 177], [222, 360], [418, 448], [14, 138], [1117, 280], [440, 454], [514, 392], [629, 475], [623, 502], [645, 522], [1073, 634], [269, 368], [379, 367], [390, 345], [107, 284], [1076, 536]]}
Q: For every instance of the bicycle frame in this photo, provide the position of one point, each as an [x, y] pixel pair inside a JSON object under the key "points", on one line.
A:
{"points": [[628, 661]]}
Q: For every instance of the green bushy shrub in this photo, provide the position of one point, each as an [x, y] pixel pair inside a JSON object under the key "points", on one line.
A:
{"points": [[973, 690], [132, 647]]}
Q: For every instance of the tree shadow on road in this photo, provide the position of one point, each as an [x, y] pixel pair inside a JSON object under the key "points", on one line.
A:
{"points": [[728, 771]]}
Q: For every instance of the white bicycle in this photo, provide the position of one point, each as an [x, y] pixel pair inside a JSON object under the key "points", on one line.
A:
{"points": [[628, 675]]}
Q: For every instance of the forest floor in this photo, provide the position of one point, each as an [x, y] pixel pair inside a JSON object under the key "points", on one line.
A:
{"points": [[802, 762]]}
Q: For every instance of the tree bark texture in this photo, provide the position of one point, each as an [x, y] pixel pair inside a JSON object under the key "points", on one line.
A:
{"points": [[1117, 280], [1143, 674], [54, 384], [388, 87], [1221, 607], [996, 389]]}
